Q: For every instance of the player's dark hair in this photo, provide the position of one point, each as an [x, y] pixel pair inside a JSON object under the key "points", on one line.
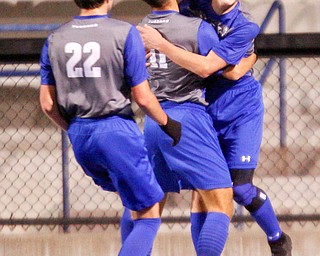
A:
{"points": [[156, 3], [89, 4]]}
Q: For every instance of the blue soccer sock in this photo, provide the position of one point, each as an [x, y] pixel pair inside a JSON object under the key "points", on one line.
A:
{"points": [[267, 220], [141, 238], [126, 225], [213, 235], [197, 219]]}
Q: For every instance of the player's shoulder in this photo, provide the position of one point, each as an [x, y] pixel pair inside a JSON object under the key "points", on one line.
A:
{"points": [[178, 18], [245, 25], [244, 19], [249, 25], [110, 22], [62, 27], [118, 22], [190, 23], [57, 32], [116, 26], [189, 18]]}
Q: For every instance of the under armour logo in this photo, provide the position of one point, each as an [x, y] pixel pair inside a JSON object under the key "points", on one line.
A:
{"points": [[246, 159], [262, 196]]}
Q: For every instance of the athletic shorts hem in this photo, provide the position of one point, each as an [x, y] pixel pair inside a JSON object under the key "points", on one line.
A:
{"points": [[243, 167], [207, 186], [151, 202], [214, 186]]}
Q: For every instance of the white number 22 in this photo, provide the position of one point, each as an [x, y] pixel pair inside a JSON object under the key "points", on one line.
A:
{"points": [[88, 69]]}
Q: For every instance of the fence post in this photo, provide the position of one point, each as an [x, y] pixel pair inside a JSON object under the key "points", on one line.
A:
{"points": [[65, 179], [282, 80], [277, 5]]}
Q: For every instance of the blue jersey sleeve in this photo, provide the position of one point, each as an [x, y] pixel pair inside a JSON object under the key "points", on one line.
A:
{"points": [[135, 69], [237, 43], [46, 74], [207, 38]]}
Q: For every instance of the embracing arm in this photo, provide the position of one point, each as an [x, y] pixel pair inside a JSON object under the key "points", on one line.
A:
{"points": [[203, 66], [149, 104], [237, 71], [49, 106]]}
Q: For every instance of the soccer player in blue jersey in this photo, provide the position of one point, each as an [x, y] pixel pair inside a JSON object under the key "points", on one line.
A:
{"points": [[197, 159], [236, 107], [90, 67]]}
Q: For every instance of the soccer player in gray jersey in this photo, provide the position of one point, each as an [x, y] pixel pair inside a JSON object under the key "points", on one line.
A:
{"points": [[90, 66], [197, 160], [235, 105]]}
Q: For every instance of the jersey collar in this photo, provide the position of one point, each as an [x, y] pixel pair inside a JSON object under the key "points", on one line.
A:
{"points": [[91, 17], [164, 12]]}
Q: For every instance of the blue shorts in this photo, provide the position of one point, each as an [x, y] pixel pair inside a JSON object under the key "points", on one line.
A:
{"points": [[197, 161], [237, 114], [111, 151]]}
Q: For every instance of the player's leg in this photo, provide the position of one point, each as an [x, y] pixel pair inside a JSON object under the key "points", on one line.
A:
{"points": [[204, 169], [215, 228], [127, 221], [198, 215], [241, 141], [126, 224], [145, 227], [164, 176], [118, 141], [146, 220], [256, 201]]}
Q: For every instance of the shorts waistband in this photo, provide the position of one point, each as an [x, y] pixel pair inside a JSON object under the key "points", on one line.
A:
{"points": [[99, 118], [245, 82], [188, 104]]}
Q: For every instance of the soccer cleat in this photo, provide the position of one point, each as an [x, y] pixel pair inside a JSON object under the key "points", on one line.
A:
{"points": [[282, 246]]}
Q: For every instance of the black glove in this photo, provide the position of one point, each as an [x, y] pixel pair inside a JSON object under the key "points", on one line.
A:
{"points": [[173, 129]]}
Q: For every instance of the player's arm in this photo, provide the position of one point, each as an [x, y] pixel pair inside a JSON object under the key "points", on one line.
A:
{"points": [[48, 96], [136, 75], [203, 66], [49, 106], [148, 102], [235, 72], [150, 105]]}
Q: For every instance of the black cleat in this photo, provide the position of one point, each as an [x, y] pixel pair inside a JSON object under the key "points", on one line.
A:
{"points": [[282, 246]]}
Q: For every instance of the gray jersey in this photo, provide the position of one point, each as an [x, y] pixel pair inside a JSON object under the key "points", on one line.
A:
{"points": [[88, 66], [169, 81]]}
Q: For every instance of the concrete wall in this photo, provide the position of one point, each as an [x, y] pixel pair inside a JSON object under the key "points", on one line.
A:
{"points": [[241, 242], [300, 16]]}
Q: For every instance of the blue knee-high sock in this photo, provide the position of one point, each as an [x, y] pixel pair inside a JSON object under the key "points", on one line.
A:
{"points": [[126, 225], [267, 220], [213, 235], [197, 219], [141, 238]]}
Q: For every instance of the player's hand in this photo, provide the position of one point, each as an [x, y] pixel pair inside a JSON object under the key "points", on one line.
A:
{"points": [[151, 37], [173, 129], [148, 55]]}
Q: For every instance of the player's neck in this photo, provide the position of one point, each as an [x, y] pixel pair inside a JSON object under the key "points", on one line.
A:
{"points": [[171, 6], [103, 10], [223, 8]]}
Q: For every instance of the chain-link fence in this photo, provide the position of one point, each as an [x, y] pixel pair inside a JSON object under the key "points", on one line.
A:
{"points": [[39, 189]]}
